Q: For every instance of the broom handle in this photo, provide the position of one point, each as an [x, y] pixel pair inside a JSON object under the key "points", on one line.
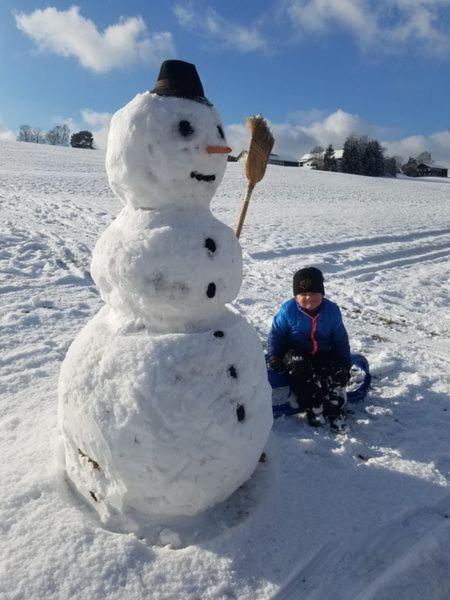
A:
{"points": [[244, 209]]}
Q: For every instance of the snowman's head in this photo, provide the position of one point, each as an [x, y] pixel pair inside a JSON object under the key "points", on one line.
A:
{"points": [[165, 150]]}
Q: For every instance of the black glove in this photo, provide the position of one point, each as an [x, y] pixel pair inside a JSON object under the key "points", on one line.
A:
{"points": [[277, 365], [342, 376]]}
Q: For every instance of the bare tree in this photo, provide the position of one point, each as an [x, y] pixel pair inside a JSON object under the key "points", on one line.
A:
{"points": [[317, 157], [38, 135], [424, 157], [317, 150], [25, 134], [410, 168], [58, 136], [399, 161]]}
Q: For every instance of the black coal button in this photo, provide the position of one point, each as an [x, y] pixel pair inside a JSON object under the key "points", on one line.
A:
{"points": [[232, 372], [211, 291], [218, 333], [240, 413], [210, 244]]}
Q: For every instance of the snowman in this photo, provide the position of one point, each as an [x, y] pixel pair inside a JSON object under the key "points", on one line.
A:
{"points": [[164, 404]]}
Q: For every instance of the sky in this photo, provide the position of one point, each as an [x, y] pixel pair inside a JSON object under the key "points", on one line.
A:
{"points": [[318, 70]]}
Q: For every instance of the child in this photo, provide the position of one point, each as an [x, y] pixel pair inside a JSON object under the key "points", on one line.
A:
{"points": [[309, 340]]}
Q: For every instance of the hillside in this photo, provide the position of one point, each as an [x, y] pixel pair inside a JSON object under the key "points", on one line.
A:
{"points": [[360, 515]]}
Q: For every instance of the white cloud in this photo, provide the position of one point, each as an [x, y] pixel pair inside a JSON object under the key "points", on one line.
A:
{"points": [[96, 119], [211, 24], [321, 15], [67, 33], [334, 128], [306, 117], [386, 25], [420, 24], [98, 123], [69, 121], [6, 135]]}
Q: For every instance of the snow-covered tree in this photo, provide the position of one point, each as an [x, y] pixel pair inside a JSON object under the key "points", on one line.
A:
{"points": [[58, 136], [390, 166], [399, 161], [317, 156], [25, 134], [31, 134], [317, 150], [424, 157], [39, 136], [410, 168]]}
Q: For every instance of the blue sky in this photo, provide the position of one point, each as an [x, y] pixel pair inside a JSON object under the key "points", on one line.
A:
{"points": [[317, 69]]}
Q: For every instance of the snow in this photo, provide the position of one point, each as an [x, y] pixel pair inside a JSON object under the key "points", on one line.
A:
{"points": [[360, 515]]}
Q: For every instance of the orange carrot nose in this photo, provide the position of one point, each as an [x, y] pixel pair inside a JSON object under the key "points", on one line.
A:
{"points": [[218, 150]]}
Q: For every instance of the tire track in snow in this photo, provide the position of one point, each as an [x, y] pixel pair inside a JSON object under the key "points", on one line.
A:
{"points": [[419, 257], [331, 259], [347, 245]]}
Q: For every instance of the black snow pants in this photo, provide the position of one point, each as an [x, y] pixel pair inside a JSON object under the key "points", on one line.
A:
{"points": [[318, 382]]}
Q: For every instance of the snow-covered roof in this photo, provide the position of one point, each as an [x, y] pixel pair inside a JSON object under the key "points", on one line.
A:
{"points": [[432, 165], [311, 155], [283, 157]]}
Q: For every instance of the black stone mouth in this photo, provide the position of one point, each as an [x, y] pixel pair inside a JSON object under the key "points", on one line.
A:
{"points": [[200, 177]]}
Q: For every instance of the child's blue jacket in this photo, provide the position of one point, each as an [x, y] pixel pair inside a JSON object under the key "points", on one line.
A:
{"points": [[294, 329]]}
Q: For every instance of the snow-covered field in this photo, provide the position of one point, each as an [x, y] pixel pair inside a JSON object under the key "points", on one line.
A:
{"points": [[363, 515]]}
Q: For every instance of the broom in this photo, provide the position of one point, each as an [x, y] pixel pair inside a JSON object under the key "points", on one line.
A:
{"points": [[261, 144]]}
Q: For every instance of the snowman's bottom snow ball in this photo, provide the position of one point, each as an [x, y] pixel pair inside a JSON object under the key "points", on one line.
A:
{"points": [[163, 425]]}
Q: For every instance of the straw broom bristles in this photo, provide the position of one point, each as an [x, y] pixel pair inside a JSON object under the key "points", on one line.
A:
{"points": [[261, 144]]}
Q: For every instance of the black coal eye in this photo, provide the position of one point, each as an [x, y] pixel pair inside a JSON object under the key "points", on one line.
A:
{"points": [[185, 128], [220, 130]]}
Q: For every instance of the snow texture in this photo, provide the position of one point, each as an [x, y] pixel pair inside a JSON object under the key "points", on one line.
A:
{"points": [[165, 406], [363, 515]]}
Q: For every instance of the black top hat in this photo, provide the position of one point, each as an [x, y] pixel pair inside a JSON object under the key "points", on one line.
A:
{"points": [[180, 79]]}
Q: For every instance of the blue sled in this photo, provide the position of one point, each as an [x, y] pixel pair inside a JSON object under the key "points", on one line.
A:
{"points": [[276, 381]]}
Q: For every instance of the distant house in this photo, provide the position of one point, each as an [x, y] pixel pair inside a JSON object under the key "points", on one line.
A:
{"points": [[431, 170], [311, 161], [284, 160], [274, 159], [237, 157]]}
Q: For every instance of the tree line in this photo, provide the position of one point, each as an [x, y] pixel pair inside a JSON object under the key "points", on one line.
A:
{"points": [[364, 156], [58, 136]]}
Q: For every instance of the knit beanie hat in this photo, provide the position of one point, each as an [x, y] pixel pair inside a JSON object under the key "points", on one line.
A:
{"points": [[309, 279]]}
